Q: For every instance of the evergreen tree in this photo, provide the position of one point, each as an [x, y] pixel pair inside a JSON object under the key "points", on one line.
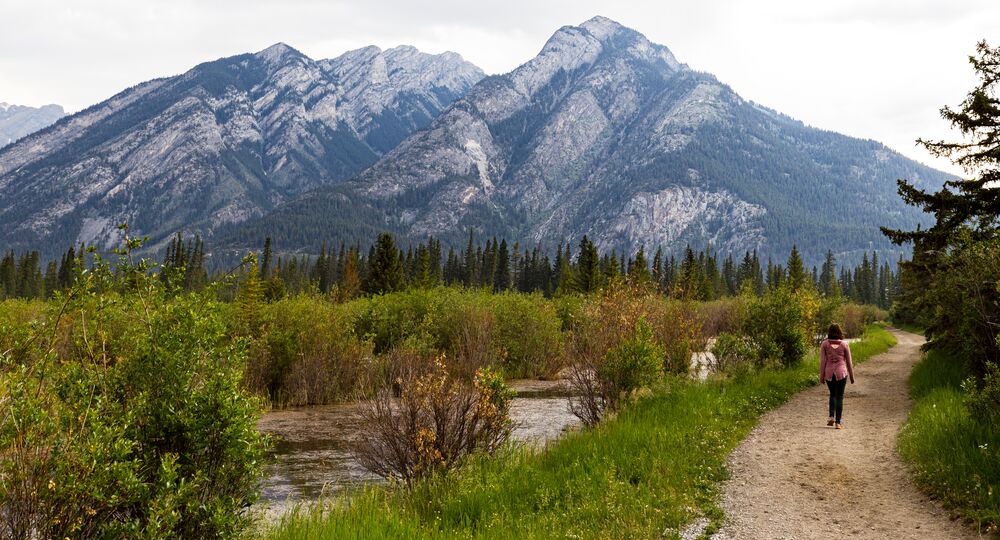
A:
{"points": [[502, 282], [422, 277], [265, 265], [796, 270], [385, 273], [587, 277], [828, 284], [350, 281], [639, 272]]}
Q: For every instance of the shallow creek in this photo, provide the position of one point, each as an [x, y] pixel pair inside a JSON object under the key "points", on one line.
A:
{"points": [[311, 455]]}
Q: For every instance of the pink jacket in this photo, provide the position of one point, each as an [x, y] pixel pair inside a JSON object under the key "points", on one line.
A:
{"points": [[835, 360]]}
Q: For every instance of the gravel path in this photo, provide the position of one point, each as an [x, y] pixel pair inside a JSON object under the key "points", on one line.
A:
{"points": [[795, 478]]}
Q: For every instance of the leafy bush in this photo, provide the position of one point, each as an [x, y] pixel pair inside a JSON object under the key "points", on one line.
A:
{"points": [[386, 320], [781, 323], [529, 333], [437, 420], [854, 318], [306, 353], [516, 332], [677, 328], [125, 417], [633, 364], [722, 316], [851, 318], [734, 353], [601, 387], [983, 396]]}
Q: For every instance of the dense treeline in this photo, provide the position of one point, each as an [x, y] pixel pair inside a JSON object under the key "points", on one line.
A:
{"points": [[347, 272]]}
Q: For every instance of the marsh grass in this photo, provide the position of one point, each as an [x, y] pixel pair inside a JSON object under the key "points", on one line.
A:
{"points": [[647, 472], [953, 456]]}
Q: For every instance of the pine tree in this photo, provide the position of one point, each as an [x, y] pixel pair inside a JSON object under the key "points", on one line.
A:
{"points": [[265, 265], [657, 272], [502, 281], [828, 276], [385, 273], [639, 272], [587, 276], [349, 286], [796, 270], [422, 278], [470, 271]]}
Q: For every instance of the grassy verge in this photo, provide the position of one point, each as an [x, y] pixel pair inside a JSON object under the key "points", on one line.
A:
{"points": [[953, 456], [645, 473]]}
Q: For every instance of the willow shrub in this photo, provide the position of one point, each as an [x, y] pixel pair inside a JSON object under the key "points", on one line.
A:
{"points": [[521, 334], [307, 354], [123, 417], [782, 323]]}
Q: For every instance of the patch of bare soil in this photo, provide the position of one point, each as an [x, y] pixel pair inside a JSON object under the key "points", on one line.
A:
{"points": [[796, 478]]}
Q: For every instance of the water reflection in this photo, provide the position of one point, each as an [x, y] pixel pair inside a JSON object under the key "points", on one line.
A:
{"points": [[312, 456]]}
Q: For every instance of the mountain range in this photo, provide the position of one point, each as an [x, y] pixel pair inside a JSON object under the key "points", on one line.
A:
{"points": [[603, 133], [222, 143], [16, 121]]}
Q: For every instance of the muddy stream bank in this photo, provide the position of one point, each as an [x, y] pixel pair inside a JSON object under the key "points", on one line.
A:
{"points": [[311, 455]]}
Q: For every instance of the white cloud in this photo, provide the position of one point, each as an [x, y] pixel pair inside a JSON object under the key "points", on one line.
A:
{"points": [[878, 70]]}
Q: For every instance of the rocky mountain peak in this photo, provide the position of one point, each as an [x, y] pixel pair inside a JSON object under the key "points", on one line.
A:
{"points": [[221, 143], [602, 27], [17, 121], [605, 133], [279, 53]]}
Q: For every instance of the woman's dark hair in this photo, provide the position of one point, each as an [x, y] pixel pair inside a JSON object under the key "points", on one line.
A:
{"points": [[835, 332]]}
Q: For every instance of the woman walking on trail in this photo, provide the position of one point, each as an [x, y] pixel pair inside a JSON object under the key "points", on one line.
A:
{"points": [[835, 366]]}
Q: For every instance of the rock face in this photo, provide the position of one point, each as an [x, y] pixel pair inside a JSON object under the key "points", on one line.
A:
{"points": [[226, 141], [606, 134], [16, 121]]}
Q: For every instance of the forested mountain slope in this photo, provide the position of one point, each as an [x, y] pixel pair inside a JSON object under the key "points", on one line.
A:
{"points": [[226, 141], [606, 134]]}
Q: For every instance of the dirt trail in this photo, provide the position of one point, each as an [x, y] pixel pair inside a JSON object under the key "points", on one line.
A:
{"points": [[795, 478]]}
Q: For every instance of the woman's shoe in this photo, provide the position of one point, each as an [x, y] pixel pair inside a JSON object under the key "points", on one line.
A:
{"points": [[840, 426], [829, 422]]}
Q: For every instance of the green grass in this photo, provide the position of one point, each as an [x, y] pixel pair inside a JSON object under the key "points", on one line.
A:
{"points": [[646, 473], [952, 456]]}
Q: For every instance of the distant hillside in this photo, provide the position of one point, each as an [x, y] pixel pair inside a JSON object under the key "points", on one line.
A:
{"points": [[16, 121]]}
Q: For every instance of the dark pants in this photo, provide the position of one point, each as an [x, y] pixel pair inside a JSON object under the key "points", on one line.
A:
{"points": [[837, 396]]}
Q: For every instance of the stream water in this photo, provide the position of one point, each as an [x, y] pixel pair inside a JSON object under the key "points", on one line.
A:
{"points": [[311, 455]]}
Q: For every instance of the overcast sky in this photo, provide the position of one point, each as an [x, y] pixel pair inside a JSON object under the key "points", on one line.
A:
{"points": [[868, 68]]}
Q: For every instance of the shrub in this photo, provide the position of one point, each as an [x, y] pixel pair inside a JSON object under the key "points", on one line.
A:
{"points": [[470, 339], [602, 386], [137, 426], [781, 323], [722, 316], [734, 353], [386, 320], [677, 328], [528, 333], [982, 397], [307, 353], [436, 421], [852, 320]]}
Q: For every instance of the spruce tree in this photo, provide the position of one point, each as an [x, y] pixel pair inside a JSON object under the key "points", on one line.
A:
{"points": [[639, 273], [385, 273], [796, 270], [587, 276], [502, 281]]}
